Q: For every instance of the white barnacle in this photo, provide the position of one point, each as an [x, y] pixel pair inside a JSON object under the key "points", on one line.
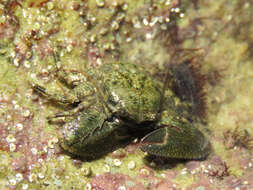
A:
{"points": [[12, 181], [148, 36], [115, 97], [34, 151], [55, 139], [136, 23], [50, 144], [69, 48], [106, 168], [100, 3], [86, 171], [45, 148], [27, 64], [24, 13], [153, 21], [16, 62], [19, 177], [115, 25], [10, 138], [40, 160], [122, 187], [177, 10], [167, 2], [145, 21], [25, 186], [181, 15], [32, 177], [99, 61], [117, 162], [245, 182], [12, 147], [41, 176], [88, 186], [131, 165], [184, 171], [125, 6], [129, 39], [144, 171], [50, 5], [122, 103], [26, 113]]}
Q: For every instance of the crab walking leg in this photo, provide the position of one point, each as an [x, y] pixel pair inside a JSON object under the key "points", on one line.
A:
{"points": [[82, 106], [67, 99], [180, 140]]}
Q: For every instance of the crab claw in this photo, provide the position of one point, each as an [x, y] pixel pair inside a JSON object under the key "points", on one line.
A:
{"points": [[182, 142]]}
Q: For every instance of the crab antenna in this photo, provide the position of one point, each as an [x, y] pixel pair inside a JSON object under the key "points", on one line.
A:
{"points": [[165, 82]]}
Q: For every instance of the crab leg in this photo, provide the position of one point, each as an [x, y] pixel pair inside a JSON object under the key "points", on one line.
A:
{"points": [[180, 140], [63, 99], [83, 105]]}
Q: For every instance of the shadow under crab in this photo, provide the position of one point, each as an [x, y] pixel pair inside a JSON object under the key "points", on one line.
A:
{"points": [[117, 103]]}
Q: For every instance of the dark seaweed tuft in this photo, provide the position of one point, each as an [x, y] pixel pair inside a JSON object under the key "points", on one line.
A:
{"points": [[189, 85]]}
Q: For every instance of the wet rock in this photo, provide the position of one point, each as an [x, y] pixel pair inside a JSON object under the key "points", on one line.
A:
{"points": [[115, 181]]}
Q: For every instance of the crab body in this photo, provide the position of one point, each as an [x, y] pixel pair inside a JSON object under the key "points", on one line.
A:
{"points": [[117, 103]]}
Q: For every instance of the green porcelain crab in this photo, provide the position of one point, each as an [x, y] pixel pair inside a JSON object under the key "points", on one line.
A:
{"points": [[116, 103]]}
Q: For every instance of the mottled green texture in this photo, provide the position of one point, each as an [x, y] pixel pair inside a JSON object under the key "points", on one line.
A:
{"points": [[90, 135], [126, 102], [130, 92], [179, 140]]}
